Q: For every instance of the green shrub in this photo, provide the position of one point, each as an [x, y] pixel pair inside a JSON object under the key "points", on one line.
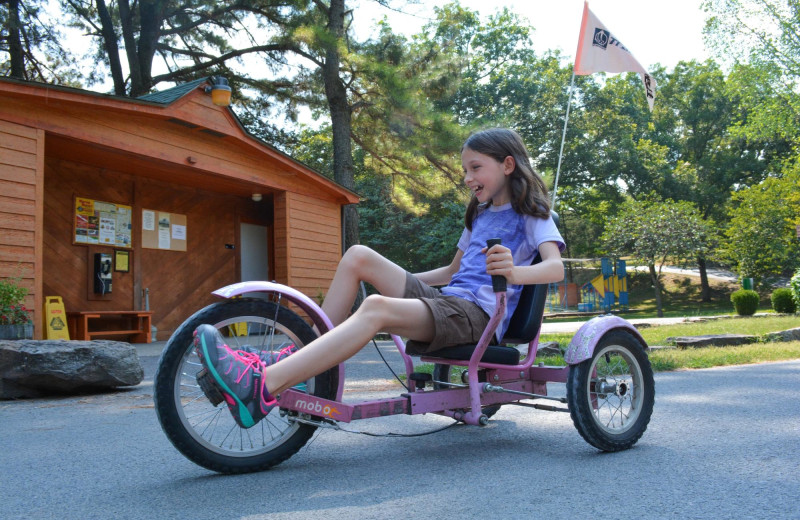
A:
{"points": [[11, 293], [745, 302], [795, 285], [783, 301]]}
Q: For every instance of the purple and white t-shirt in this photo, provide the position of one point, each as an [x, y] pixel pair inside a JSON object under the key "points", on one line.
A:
{"points": [[522, 234]]}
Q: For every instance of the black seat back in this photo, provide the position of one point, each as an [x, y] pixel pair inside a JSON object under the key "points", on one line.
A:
{"points": [[527, 317]]}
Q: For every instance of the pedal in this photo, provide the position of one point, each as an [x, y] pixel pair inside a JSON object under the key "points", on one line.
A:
{"points": [[209, 387], [420, 378]]}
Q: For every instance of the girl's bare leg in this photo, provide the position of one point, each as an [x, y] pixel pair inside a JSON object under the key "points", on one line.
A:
{"points": [[361, 263], [405, 317]]}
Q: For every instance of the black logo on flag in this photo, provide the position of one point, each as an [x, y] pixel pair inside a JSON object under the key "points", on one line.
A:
{"points": [[601, 37], [648, 86]]}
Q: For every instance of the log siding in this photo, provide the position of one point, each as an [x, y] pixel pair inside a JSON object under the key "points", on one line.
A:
{"points": [[21, 173]]}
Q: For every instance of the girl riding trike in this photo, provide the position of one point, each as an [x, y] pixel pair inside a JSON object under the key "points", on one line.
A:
{"points": [[243, 383]]}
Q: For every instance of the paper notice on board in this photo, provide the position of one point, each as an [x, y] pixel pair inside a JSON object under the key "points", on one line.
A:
{"points": [[178, 232], [163, 231], [108, 227], [148, 220]]}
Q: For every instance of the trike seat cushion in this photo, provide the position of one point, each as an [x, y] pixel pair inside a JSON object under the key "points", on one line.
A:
{"points": [[499, 354]]}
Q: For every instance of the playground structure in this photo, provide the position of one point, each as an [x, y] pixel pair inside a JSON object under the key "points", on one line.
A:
{"points": [[604, 292]]}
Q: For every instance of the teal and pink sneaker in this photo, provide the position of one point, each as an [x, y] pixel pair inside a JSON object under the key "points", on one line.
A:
{"points": [[270, 357], [238, 375]]}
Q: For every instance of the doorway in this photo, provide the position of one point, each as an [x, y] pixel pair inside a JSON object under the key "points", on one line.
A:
{"points": [[254, 241]]}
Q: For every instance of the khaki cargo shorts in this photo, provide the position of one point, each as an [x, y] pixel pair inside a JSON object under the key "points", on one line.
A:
{"points": [[457, 321]]}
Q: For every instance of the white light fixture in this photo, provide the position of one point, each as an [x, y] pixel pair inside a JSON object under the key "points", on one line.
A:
{"points": [[256, 197]]}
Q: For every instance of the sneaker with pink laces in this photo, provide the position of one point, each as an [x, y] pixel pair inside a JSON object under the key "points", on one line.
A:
{"points": [[270, 357], [238, 374]]}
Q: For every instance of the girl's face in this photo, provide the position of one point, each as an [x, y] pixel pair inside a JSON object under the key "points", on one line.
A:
{"points": [[486, 177]]}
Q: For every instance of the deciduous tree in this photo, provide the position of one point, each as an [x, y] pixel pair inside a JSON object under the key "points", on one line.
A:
{"points": [[761, 239], [654, 232]]}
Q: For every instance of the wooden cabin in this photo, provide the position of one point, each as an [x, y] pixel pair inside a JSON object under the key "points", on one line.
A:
{"points": [[170, 187]]}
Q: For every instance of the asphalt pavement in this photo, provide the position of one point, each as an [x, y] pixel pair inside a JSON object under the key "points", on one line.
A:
{"points": [[722, 443]]}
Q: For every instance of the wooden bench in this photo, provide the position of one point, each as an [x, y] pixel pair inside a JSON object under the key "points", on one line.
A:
{"points": [[86, 325]]}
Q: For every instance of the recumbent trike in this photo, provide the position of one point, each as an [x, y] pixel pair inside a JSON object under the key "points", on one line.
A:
{"points": [[609, 381]]}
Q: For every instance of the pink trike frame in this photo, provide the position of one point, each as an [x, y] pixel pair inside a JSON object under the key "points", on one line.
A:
{"points": [[503, 383]]}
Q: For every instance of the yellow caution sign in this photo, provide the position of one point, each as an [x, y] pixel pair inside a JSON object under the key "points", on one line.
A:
{"points": [[237, 329], [55, 318]]}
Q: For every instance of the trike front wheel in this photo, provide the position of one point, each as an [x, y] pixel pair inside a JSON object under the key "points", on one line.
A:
{"points": [[611, 394], [206, 433]]}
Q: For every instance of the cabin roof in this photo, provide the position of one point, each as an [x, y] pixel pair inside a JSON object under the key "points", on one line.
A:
{"points": [[173, 94], [173, 104]]}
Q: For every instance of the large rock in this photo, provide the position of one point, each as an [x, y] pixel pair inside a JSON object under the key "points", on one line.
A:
{"points": [[30, 368], [783, 335], [713, 340], [546, 348]]}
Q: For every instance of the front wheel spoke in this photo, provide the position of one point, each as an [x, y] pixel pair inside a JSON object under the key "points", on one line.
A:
{"points": [[210, 419], [213, 424], [225, 438], [194, 397], [203, 414], [188, 377], [270, 427], [249, 439]]}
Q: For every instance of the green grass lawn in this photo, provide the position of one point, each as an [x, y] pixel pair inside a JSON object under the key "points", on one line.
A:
{"points": [[674, 359], [739, 325]]}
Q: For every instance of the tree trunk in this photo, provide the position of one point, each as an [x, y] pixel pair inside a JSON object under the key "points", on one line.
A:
{"points": [[705, 289], [111, 46], [151, 14], [341, 114], [657, 287], [15, 41], [126, 21]]}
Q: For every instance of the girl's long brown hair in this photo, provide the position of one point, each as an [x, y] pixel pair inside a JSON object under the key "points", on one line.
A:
{"points": [[528, 191]]}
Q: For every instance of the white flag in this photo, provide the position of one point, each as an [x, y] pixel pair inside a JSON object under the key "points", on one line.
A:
{"points": [[600, 51]]}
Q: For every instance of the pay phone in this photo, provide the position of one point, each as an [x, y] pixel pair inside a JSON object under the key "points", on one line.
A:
{"points": [[102, 273]]}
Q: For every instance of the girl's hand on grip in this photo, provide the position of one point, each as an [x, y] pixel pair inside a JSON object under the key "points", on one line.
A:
{"points": [[498, 260]]}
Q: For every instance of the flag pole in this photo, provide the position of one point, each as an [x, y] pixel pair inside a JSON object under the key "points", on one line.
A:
{"points": [[563, 137]]}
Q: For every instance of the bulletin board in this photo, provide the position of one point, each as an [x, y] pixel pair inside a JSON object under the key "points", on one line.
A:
{"points": [[163, 230], [101, 223]]}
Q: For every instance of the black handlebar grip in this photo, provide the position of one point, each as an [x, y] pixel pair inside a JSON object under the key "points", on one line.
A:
{"points": [[498, 281]]}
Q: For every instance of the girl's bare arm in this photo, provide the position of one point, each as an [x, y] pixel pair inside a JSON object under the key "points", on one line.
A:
{"points": [[442, 275], [551, 269]]}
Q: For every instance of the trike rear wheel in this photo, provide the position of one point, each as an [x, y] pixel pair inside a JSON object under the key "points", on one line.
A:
{"points": [[206, 433], [611, 395]]}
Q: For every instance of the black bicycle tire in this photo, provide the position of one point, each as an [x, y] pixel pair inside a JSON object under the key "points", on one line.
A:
{"points": [[171, 358], [580, 405]]}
